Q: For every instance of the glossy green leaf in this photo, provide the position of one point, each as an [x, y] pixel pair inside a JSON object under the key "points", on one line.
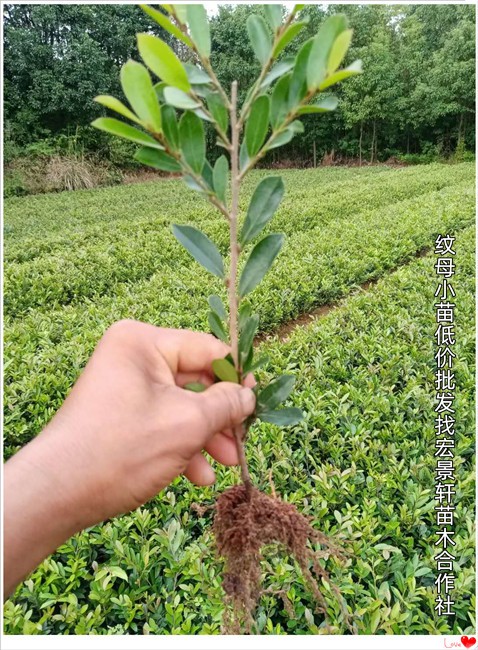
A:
{"points": [[179, 99], [192, 141], [264, 202], [259, 262], [282, 417], [195, 387], [215, 303], [273, 15], [201, 248], [157, 159], [321, 48], [166, 24], [138, 89], [170, 126], [216, 326], [350, 71], [277, 71], [289, 34], [257, 125], [324, 105], [220, 176], [296, 126], [115, 105], [298, 82], [198, 24], [260, 37], [280, 101], [281, 138], [247, 337], [339, 50], [225, 371], [218, 110], [275, 393], [161, 60], [122, 130]]}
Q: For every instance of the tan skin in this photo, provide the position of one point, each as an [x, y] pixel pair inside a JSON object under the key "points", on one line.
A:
{"points": [[125, 431]]}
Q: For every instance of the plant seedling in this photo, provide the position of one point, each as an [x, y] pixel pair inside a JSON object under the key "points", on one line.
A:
{"points": [[170, 114]]}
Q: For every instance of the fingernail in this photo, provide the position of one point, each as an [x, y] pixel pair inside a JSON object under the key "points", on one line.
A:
{"points": [[248, 400]]}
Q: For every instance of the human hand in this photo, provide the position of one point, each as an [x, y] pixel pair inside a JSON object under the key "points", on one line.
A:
{"points": [[125, 431], [128, 428]]}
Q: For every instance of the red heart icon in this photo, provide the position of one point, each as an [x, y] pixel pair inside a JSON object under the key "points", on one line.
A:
{"points": [[468, 641]]}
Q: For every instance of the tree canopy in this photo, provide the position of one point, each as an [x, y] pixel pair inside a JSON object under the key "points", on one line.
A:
{"points": [[417, 93]]}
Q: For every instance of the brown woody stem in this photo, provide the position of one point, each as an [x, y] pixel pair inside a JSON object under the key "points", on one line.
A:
{"points": [[239, 430]]}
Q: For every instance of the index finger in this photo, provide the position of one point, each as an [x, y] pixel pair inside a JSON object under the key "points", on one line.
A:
{"points": [[188, 351]]}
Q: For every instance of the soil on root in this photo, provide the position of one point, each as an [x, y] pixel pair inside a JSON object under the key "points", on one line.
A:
{"points": [[243, 524]]}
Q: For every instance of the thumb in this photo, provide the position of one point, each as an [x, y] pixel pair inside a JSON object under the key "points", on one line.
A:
{"points": [[224, 405]]}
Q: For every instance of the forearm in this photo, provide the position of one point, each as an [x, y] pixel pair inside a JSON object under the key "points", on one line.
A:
{"points": [[41, 507]]}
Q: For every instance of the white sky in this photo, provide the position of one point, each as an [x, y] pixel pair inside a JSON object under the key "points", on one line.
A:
{"points": [[212, 7]]}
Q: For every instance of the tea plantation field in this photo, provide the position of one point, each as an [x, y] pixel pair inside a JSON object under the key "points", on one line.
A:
{"points": [[361, 463]]}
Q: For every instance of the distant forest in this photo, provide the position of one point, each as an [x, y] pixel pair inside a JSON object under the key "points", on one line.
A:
{"points": [[416, 96]]}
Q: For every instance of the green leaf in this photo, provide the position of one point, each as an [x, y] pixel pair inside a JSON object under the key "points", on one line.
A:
{"points": [[195, 387], [170, 126], [282, 417], [324, 105], [257, 125], [281, 138], [118, 572], [193, 184], [225, 371], [217, 328], [179, 99], [264, 202], [260, 37], [277, 71], [275, 393], [245, 311], [261, 361], [192, 141], [350, 71], [157, 159], [161, 60], [280, 101], [201, 248], [218, 110], [339, 50], [296, 126], [122, 130], [246, 338], [220, 177], [199, 28], [181, 12], [216, 305], [115, 105], [166, 24], [298, 82], [138, 88], [274, 15], [243, 156], [319, 55], [289, 34], [259, 262], [196, 76]]}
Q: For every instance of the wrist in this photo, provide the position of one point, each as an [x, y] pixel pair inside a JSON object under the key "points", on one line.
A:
{"points": [[42, 507]]}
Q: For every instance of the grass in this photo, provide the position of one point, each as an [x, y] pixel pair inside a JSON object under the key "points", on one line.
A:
{"points": [[361, 464]]}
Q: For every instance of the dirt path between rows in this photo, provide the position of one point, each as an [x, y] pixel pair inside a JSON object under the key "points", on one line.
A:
{"points": [[285, 330]]}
